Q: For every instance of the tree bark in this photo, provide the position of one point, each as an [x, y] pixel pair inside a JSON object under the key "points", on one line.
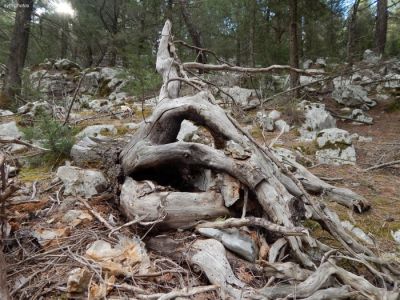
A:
{"points": [[194, 33], [351, 28], [293, 47], [18, 50], [381, 26]]}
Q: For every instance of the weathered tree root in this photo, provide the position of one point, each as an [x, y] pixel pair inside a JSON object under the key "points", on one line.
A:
{"points": [[279, 187]]}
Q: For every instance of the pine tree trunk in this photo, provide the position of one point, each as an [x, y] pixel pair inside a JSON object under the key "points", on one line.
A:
{"points": [[18, 50], [293, 46], [381, 26], [193, 31], [351, 28]]}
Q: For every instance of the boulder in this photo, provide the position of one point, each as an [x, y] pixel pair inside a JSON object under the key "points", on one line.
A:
{"points": [[353, 96], [241, 96], [90, 83], [5, 113], [187, 131], [335, 147], [393, 81], [34, 108], [264, 122], [274, 115], [321, 62], [82, 182], [85, 151], [66, 64], [99, 104], [359, 115], [98, 131], [307, 64], [10, 129], [317, 118], [370, 57], [281, 125]]}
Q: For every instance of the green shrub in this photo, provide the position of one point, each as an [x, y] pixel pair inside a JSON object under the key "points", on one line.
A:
{"points": [[52, 135]]}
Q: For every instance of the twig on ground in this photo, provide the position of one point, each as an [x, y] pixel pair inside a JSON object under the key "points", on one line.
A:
{"points": [[96, 214], [253, 221], [390, 163], [7, 140]]}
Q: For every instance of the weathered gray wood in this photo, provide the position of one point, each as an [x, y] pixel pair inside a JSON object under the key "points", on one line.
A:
{"points": [[165, 65], [209, 256], [282, 194], [176, 209]]}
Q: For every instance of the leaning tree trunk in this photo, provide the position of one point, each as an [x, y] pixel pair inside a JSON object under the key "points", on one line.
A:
{"points": [[18, 49], [278, 185]]}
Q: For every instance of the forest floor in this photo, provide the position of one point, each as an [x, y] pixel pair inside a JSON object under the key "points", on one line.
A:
{"points": [[42, 270]]}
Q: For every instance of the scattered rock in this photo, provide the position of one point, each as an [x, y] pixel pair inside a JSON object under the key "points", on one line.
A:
{"points": [[317, 118], [236, 150], [353, 96], [45, 236], [307, 64], [99, 104], [10, 129], [90, 83], [98, 131], [187, 131], [274, 115], [241, 96], [393, 81], [359, 115], [234, 240], [365, 139], [82, 182], [126, 258], [371, 57], [335, 147], [264, 122], [66, 64], [332, 136], [396, 236], [5, 113], [74, 217], [85, 151], [357, 232], [281, 125], [78, 281], [34, 108]]}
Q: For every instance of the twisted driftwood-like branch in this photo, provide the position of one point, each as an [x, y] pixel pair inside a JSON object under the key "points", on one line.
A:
{"points": [[282, 194]]}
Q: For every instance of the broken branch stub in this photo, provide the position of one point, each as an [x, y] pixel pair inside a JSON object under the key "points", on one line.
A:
{"points": [[153, 153]]}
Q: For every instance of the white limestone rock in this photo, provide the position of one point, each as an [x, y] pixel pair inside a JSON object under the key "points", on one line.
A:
{"points": [[371, 57], [353, 96], [10, 129], [187, 131], [82, 182], [241, 96], [281, 125], [98, 131], [317, 118], [335, 147], [5, 113], [359, 115]]}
